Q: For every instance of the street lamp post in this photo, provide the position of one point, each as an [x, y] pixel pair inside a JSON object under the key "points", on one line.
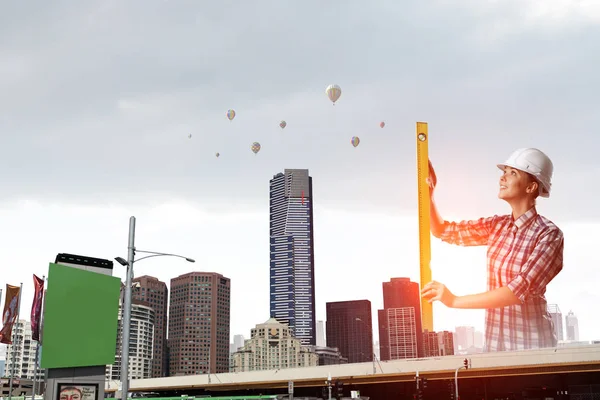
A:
{"points": [[372, 346], [466, 365], [126, 318]]}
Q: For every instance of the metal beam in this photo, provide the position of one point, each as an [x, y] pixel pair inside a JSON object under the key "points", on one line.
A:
{"points": [[544, 369]]}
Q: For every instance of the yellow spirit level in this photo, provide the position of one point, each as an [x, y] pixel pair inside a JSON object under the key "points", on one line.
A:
{"points": [[424, 220]]}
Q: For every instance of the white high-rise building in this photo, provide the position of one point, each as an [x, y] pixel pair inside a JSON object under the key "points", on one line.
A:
{"points": [[556, 315], [141, 344], [572, 325], [464, 338], [238, 341], [272, 346], [321, 334], [25, 361]]}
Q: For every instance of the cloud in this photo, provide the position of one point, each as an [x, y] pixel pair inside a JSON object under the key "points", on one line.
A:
{"points": [[105, 100], [99, 99]]}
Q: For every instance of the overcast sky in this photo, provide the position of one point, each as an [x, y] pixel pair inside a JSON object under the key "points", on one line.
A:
{"points": [[98, 99]]}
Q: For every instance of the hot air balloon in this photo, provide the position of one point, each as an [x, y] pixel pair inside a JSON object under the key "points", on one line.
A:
{"points": [[333, 92], [355, 141], [282, 124], [255, 147], [231, 114], [190, 136], [217, 155], [382, 124]]}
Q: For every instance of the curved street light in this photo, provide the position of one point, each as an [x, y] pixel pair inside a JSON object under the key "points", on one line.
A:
{"points": [[372, 345], [126, 318]]}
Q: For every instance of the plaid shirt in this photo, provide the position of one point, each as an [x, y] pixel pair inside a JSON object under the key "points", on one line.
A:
{"points": [[524, 255]]}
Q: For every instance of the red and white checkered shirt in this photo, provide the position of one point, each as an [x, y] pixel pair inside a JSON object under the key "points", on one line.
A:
{"points": [[524, 255]]}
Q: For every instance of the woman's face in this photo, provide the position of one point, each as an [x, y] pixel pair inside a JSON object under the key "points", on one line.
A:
{"points": [[515, 184], [70, 394]]}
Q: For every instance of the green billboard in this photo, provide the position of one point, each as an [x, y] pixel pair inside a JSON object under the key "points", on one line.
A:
{"points": [[80, 318]]}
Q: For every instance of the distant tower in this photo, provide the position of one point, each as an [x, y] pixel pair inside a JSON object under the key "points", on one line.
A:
{"points": [[557, 320], [321, 334], [238, 341], [572, 325], [292, 260], [464, 337]]}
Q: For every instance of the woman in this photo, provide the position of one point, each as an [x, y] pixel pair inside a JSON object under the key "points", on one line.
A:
{"points": [[525, 252]]}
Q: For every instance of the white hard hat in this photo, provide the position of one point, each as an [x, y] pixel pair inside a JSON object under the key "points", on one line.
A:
{"points": [[534, 162]]}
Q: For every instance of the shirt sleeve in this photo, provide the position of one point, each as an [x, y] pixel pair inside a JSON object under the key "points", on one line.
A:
{"points": [[544, 263], [469, 233]]}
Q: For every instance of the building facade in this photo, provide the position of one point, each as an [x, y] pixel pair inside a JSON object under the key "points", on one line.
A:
{"points": [[141, 343], [320, 340], [271, 346], [328, 355], [437, 344], [572, 325], [398, 335], [155, 293], [199, 319], [238, 341], [292, 274], [25, 365], [349, 328], [557, 319], [464, 338], [400, 327]]}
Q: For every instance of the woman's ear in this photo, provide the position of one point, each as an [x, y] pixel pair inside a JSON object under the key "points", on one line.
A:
{"points": [[533, 187]]}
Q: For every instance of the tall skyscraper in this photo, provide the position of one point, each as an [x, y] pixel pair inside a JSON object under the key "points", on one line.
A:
{"points": [[572, 325], [292, 273], [199, 324], [556, 315], [155, 293], [349, 328], [400, 327]]}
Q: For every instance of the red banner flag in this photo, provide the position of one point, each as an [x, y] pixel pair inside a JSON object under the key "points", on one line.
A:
{"points": [[36, 307], [9, 316]]}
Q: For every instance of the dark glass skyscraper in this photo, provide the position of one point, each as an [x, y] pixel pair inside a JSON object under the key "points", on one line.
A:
{"points": [[349, 328], [292, 273]]}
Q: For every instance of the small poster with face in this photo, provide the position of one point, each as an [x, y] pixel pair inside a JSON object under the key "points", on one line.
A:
{"points": [[77, 391]]}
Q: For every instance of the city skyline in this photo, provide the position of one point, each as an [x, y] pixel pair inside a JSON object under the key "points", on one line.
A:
{"points": [[561, 322], [465, 337], [91, 140]]}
